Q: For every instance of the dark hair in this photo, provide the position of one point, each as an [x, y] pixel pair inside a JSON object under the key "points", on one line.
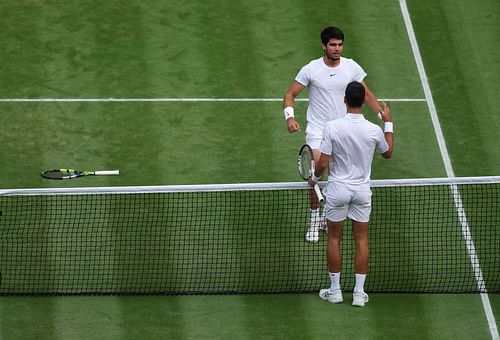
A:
{"points": [[355, 94], [331, 33]]}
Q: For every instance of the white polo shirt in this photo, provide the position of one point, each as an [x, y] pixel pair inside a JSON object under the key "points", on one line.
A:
{"points": [[326, 86], [351, 141]]}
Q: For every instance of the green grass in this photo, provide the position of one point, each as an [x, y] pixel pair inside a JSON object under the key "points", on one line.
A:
{"points": [[456, 45], [137, 50], [179, 143], [234, 49], [297, 316], [198, 49]]}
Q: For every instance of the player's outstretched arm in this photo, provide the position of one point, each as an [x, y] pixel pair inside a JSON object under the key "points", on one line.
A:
{"points": [[371, 100], [388, 130], [288, 106]]}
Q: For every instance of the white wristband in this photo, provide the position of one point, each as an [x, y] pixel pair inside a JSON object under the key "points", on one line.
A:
{"points": [[289, 112], [388, 127], [314, 178]]}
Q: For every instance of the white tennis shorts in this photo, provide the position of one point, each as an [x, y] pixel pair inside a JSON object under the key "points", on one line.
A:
{"points": [[313, 141], [342, 202]]}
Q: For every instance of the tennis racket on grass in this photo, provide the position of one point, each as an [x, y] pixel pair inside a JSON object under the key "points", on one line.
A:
{"points": [[70, 173], [306, 165]]}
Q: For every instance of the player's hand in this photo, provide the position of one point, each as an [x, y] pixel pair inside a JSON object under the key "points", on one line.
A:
{"points": [[313, 180], [292, 125], [386, 113]]}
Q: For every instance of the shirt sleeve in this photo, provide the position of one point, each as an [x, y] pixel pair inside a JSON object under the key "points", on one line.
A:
{"points": [[304, 75], [358, 73], [326, 146], [382, 145]]}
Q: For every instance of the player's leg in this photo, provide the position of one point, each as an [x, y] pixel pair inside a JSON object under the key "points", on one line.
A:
{"points": [[322, 216], [336, 212], [333, 294], [360, 233], [333, 253], [312, 234], [359, 212]]}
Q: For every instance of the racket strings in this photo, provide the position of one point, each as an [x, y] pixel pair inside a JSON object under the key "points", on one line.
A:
{"points": [[305, 165], [59, 173]]}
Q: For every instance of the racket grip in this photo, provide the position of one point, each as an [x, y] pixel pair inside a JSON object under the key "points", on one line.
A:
{"points": [[318, 193], [107, 173]]}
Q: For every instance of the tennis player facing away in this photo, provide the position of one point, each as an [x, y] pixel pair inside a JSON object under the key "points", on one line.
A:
{"points": [[347, 148], [326, 79]]}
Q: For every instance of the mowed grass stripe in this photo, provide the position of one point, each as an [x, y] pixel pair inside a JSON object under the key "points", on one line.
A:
{"points": [[179, 143], [461, 73], [120, 45]]}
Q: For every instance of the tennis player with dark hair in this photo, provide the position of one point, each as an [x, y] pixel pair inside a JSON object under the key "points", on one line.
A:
{"points": [[326, 79], [347, 148]]}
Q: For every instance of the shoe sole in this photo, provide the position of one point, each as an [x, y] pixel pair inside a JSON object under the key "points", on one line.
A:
{"points": [[335, 302], [312, 239]]}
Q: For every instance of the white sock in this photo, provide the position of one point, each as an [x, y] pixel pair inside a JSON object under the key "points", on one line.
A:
{"points": [[335, 279], [314, 215], [360, 283]]}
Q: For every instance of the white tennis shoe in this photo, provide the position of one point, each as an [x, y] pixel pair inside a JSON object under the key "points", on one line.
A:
{"points": [[359, 299], [332, 297], [312, 234]]}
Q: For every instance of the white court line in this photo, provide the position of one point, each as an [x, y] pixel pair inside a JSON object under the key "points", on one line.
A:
{"points": [[196, 100], [449, 171]]}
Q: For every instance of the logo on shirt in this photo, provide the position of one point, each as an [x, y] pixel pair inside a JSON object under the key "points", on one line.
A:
{"points": [[332, 74]]}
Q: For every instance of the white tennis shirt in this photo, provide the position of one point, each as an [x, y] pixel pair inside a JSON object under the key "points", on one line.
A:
{"points": [[326, 86], [351, 141]]}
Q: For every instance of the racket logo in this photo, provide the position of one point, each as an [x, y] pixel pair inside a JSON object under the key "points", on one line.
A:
{"points": [[306, 165]]}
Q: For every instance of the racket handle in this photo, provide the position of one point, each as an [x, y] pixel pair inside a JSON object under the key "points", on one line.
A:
{"points": [[107, 173], [318, 193]]}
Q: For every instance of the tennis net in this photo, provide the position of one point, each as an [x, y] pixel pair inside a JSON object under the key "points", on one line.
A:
{"points": [[428, 235]]}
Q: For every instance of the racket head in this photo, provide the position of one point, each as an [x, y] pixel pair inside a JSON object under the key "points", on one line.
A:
{"points": [[305, 162], [58, 174]]}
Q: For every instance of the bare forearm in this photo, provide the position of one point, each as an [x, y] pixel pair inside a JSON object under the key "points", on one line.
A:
{"points": [[389, 138], [293, 91], [386, 116], [321, 165], [288, 100], [288, 106], [372, 102]]}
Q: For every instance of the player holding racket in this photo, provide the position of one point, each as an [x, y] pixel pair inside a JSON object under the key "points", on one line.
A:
{"points": [[347, 147], [326, 79]]}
